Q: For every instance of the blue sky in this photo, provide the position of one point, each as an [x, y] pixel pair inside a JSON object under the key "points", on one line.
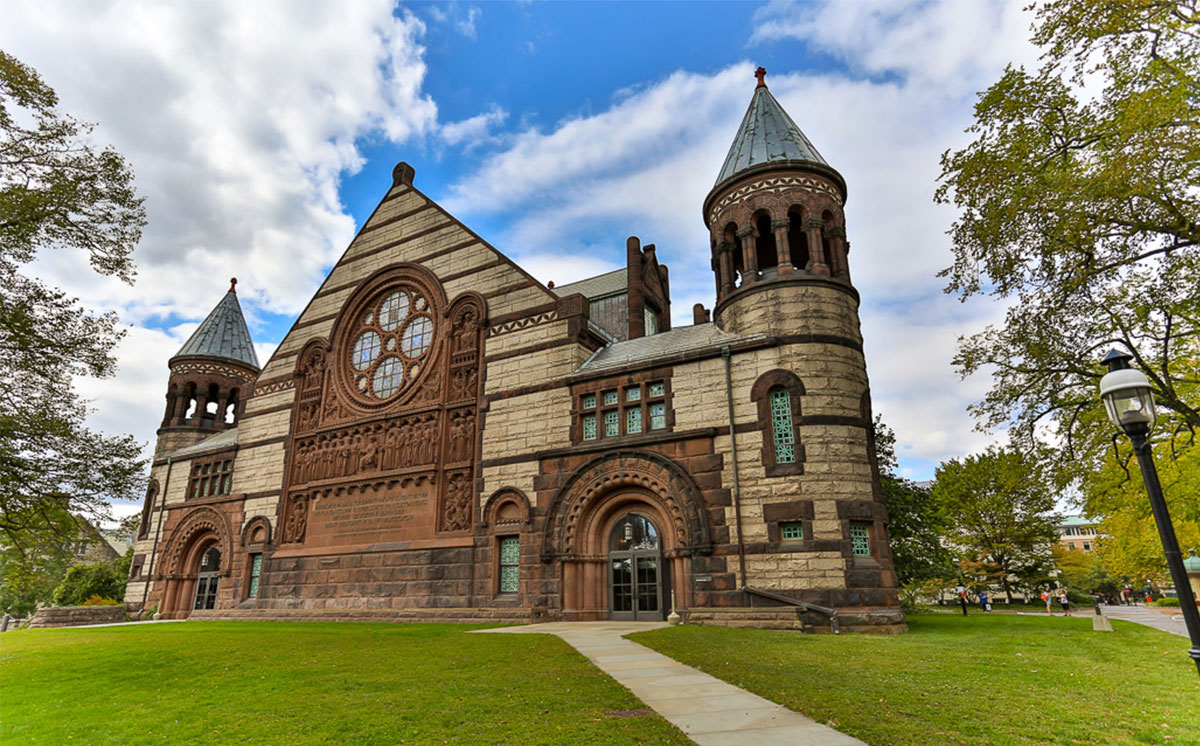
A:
{"points": [[263, 135]]}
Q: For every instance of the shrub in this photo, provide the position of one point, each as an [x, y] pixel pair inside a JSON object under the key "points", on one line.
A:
{"points": [[1167, 602], [1080, 598], [84, 581], [101, 601]]}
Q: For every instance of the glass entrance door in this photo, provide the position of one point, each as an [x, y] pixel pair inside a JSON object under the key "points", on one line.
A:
{"points": [[208, 579], [635, 581]]}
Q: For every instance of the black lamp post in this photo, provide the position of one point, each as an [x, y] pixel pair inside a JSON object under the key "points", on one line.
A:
{"points": [[1130, 404]]}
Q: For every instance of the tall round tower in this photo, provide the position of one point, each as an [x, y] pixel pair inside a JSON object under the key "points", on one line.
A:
{"points": [[779, 255], [211, 377]]}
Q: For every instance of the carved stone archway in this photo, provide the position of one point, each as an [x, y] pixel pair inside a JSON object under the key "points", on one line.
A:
{"points": [[195, 534], [595, 498]]}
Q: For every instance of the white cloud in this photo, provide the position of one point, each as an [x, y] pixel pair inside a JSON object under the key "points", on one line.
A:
{"points": [[476, 130], [466, 24], [239, 122]]}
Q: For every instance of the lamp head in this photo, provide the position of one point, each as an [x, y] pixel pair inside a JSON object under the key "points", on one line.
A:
{"points": [[1127, 394]]}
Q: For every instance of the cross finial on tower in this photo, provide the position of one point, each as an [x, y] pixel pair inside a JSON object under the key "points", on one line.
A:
{"points": [[761, 74], [233, 284]]}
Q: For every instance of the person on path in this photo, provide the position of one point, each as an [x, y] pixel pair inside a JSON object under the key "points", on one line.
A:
{"points": [[983, 600], [1066, 602], [1046, 599]]}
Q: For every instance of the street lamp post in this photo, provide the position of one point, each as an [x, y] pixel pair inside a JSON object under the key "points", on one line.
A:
{"points": [[1130, 404]]}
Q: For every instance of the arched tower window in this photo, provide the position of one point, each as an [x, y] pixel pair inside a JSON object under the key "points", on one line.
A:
{"points": [[764, 245], [830, 259], [735, 242], [797, 240], [777, 394]]}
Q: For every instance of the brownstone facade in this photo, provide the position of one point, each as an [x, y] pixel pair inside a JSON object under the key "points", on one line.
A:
{"points": [[440, 436]]}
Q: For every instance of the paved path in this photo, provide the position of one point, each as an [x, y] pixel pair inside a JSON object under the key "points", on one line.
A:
{"points": [[1148, 616], [710, 711]]}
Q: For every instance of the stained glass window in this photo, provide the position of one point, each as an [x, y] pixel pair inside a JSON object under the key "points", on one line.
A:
{"points": [[589, 401], [589, 427], [393, 310], [791, 531], [389, 376], [860, 539], [634, 394], [255, 573], [366, 349], [417, 337], [650, 321], [658, 416], [633, 421], [510, 562], [657, 389], [612, 424], [610, 398], [782, 432]]}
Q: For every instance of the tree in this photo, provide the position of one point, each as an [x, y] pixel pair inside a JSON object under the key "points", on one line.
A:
{"points": [[103, 579], [29, 574], [914, 523], [1077, 203], [999, 510], [56, 190]]}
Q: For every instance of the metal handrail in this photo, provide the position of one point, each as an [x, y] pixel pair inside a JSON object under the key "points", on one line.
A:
{"points": [[831, 613]]}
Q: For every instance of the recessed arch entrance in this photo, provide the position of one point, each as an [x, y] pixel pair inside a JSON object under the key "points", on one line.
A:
{"points": [[585, 534], [196, 564]]}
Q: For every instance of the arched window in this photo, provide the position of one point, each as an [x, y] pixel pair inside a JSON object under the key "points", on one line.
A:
{"points": [[764, 245], [797, 240], [777, 394], [738, 263]]}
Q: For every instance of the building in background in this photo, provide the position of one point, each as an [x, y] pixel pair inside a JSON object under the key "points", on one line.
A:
{"points": [[1077, 532]]}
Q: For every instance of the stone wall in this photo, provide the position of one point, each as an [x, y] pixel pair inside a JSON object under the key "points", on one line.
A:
{"points": [[75, 616]]}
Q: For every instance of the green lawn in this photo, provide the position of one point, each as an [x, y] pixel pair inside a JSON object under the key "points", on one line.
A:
{"points": [[294, 684], [982, 679]]}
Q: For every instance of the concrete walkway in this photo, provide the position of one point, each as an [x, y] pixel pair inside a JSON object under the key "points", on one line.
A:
{"points": [[1148, 616], [710, 711]]}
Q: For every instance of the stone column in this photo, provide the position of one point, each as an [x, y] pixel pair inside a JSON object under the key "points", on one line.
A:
{"points": [[782, 248], [725, 260], [816, 250], [749, 255], [839, 249], [182, 399]]}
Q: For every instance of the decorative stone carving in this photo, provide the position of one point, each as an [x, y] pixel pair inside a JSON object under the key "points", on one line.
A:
{"points": [[297, 520], [456, 506]]}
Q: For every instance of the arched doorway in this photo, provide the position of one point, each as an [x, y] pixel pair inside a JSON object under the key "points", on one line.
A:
{"points": [[208, 579], [635, 577]]}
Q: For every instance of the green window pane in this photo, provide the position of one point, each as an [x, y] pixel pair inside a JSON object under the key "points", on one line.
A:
{"points": [[510, 560], [610, 398], [657, 389], [650, 321], [782, 432], [633, 421], [589, 427], [860, 539], [255, 573], [589, 401], [612, 424], [658, 416], [633, 394], [791, 531]]}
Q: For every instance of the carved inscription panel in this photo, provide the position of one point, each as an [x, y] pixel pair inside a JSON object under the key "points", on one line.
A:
{"points": [[385, 511]]}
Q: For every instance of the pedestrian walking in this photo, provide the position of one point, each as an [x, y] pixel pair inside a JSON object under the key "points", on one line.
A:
{"points": [[983, 601], [1065, 602], [1046, 599]]}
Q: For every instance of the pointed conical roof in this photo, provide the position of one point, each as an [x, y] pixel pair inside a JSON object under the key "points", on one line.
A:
{"points": [[767, 135], [223, 334]]}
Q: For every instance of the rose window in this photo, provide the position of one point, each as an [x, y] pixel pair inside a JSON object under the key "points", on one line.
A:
{"points": [[387, 350]]}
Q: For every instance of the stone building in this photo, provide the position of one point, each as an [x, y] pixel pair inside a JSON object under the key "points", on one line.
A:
{"points": [[441, 436]]}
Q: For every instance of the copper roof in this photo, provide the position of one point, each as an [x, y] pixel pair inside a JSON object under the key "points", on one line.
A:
{"points": [[223, 334], [767, 135]]}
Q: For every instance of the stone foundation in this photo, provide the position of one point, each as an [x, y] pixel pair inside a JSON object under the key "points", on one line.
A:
{"points": [[873, 621], [458, 615], [76, 616]]}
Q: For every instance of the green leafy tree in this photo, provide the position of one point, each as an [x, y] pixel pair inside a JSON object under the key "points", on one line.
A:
{"points": [[914, 523], [1077, 203], [998, 510], [103, 579], [57, 190], [29, 575]]}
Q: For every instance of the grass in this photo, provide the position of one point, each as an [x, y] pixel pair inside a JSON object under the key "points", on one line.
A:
{"points": [[300, 684], [982, 679]]}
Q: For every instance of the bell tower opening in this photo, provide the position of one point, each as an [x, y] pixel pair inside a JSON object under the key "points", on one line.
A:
{"points": [[764, 244]]}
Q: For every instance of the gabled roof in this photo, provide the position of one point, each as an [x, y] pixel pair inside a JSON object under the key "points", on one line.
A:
{"points": [[767, 135], [223, 334], [679, 340], [608, 283], [219, 442]]}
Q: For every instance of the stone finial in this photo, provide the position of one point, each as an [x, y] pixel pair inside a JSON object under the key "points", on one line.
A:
{"points": [[403, 174], [761, 74], [233, 284]]}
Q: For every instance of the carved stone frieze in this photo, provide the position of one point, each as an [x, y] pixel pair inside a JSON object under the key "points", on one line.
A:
{"points": [[398, 443], [774, 184], [456, 505]]}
